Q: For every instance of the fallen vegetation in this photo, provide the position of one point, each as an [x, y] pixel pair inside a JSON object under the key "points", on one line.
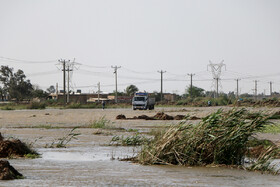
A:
{"points": [[159, 116], [222, 138], [8, 172], [15, 148]]}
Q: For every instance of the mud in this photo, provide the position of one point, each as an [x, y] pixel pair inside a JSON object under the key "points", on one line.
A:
{"points": [[88, 161]]}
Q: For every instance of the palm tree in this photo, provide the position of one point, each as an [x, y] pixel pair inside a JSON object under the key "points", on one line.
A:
{"points": [[131, 89]]}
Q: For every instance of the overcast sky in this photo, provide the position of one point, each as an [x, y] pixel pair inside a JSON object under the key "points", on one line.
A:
{"points": [[143, 37]]}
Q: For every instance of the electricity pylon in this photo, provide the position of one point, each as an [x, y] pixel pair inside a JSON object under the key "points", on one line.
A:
{"points": [[216, 70]]}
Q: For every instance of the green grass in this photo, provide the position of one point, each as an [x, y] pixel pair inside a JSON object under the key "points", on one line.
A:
{"points": [[45, 127], [271, 128], [7, 108], [101, 123], [134, 140], [132, 130], [32, 155], [35, 105]]}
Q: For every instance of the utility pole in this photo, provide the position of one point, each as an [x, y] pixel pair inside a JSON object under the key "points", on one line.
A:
{"points": [[98, 86], [116, 80], [191, 91], [66, 64], [270, 86], [68, 80], [64, 78], [237, 88], [256, 89], [161, 84], [56, 91]]}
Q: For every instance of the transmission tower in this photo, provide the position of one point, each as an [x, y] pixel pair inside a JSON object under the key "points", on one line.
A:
{"points": [[216, 70]]}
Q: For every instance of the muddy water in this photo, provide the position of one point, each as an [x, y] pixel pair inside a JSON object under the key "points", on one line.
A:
{"points": [[88, 162], [95, 167], [91, 164]]}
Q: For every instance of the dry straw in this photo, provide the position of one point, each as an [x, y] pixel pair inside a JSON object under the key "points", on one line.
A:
{"points": [[220, 138]]}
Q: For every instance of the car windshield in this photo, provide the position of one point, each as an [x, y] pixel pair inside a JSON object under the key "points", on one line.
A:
{"points": [[139, 98]]}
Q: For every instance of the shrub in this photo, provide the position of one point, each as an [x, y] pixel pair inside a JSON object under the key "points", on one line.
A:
{"points": [[36, 105]]}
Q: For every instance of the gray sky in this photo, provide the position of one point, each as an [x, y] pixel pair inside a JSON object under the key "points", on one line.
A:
{"points": [[176, 36]]}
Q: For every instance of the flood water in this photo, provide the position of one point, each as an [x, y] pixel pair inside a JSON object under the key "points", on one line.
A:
{"points": [[98, 166], [87, 161]]}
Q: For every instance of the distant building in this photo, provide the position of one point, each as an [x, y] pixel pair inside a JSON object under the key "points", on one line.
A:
{"points": [[82, 98], [169, 97]]}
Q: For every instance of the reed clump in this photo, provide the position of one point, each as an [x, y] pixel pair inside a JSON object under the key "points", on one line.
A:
{"points": [[221, 138]]}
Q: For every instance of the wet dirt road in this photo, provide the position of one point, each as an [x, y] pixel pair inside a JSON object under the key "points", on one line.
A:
{"points": [[87, 161]]}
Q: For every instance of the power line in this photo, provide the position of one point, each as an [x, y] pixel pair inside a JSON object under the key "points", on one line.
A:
{"points": [[90, 66], [138, 72], [26, 61], [42, 73]]}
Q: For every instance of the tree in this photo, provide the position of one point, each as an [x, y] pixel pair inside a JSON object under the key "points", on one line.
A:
{"points": [[131, 90], [15, 84], [39, 93], [156, 95], [194, 91], [51, 89]]}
